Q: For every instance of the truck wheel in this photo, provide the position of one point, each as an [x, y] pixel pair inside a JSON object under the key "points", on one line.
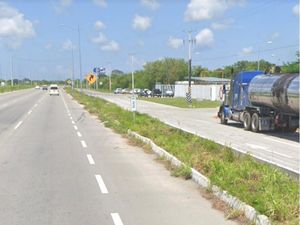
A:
{"points": [[223, 119], [255, 122], [247, 121]]}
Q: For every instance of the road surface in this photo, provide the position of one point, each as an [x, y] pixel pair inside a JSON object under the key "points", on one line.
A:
{"points": [[59, 165], [280, 149]]}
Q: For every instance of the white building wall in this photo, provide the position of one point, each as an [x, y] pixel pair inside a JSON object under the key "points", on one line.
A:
{"points": [[201, 92]]}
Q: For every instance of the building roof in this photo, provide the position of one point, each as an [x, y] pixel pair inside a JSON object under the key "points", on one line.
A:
{"points": [[210, 79]]}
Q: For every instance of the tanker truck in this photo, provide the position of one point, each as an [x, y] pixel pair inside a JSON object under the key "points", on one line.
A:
{"points": [[262, 102]]}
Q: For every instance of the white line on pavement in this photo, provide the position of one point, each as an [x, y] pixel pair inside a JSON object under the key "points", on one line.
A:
{"points": [[90, 158], [283, 142], [83, 144], [116, 218], [75, 127], [29, 112], [35, 105], [79, 134], [101, 184], [71, 117], [73, 122], [284, 155], [19, 124], [256, 146]]}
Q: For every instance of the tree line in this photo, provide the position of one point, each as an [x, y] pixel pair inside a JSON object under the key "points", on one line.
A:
{"points": [[169, 70]]}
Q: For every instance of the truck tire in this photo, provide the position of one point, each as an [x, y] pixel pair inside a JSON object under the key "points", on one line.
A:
{"points": [[247, 121], [223, 119], [255, 122]]}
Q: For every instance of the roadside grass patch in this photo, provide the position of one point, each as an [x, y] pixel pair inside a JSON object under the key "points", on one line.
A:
{"points": [[182, 103], [14, 88], [270, 191]]}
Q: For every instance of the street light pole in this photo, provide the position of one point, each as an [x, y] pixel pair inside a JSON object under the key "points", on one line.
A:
{"points": [[80, 64], [72, 67], [12, 71], [132, 74]]}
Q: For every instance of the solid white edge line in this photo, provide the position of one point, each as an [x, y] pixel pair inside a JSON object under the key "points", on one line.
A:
{"points": [[83, 144], [79, 134], [75, 127], [19, 124], [90, 158], [101, 184], [116, 218]]}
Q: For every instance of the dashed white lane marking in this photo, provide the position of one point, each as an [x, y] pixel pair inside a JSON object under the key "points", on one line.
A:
{"points": [[283, 142], [75, 127], [73, 122], [29, 112], [71, 117], [101, 184], [83, 144], [116, 218], [284, 155], [256, 146], [35, 105], [90, 158], [19, 124], [79, 134]]}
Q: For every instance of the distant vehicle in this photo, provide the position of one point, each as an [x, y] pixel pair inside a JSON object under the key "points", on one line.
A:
{"points": [[136, 91], [169, 93], [262, 102], [37, 87], [156, 93], [144, 93], [126, 91], [44, 87], [118, 91], [53, 90]]}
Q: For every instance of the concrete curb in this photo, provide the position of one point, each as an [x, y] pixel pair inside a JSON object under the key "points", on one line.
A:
{"points": [[203, 181]]}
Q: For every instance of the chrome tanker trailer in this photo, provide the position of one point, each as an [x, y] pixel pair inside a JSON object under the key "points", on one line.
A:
{"points": [[262, 102]]}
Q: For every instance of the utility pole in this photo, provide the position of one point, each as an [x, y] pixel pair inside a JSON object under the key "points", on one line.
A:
{"points": [[12, 71], [132, 74], [72, 67], [80, 65], [191, 42]]}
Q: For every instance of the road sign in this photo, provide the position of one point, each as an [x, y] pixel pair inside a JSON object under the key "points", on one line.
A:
{"points": [[91, 78], [96, 70], [133, 103]]}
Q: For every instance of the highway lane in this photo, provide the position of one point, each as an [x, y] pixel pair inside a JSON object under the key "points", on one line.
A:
{"points": [[276, 148], [62, 166]]}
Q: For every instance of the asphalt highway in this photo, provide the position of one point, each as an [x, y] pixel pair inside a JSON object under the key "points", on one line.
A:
{"points": [[278, 148], [60, 165]]}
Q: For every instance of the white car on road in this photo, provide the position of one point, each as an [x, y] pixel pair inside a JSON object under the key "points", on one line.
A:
{"points": [[53, 90]]}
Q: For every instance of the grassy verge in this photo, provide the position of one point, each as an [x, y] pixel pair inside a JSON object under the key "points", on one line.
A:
{"points": [[182, 103], [14, 88], [267, 189]]}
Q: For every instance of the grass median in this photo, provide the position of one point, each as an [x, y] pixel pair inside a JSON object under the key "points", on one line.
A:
{"points": [[267, 189], [182, 103], [14, 88]]}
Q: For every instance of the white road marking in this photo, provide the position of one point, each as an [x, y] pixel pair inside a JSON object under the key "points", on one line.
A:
{"points": [[256, 146], [116, 218], [29, 112], [75, 127], [284, 155], [90, 158], [73, 122], [101, 184], [35, 105], [79, 134], [83, 144], [283, 142], [71, 117], [19, 124]]}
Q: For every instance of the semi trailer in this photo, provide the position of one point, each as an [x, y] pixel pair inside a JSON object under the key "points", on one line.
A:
{"points": [[262, 102]]}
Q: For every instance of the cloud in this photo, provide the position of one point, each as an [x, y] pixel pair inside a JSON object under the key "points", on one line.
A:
{"points": [[198, 10], [151, 4], [105, 43], [141, 22], [99, 25], [48, 45], [62, 4], [222, 25], [100, 39], [101, 3], [111, 46], [174, 42], [13, 26], [296, 9], [247, 50], [205, 38], [68, 45]]}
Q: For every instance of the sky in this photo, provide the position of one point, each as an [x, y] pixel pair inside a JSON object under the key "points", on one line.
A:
{"points": [[37, 37]]}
